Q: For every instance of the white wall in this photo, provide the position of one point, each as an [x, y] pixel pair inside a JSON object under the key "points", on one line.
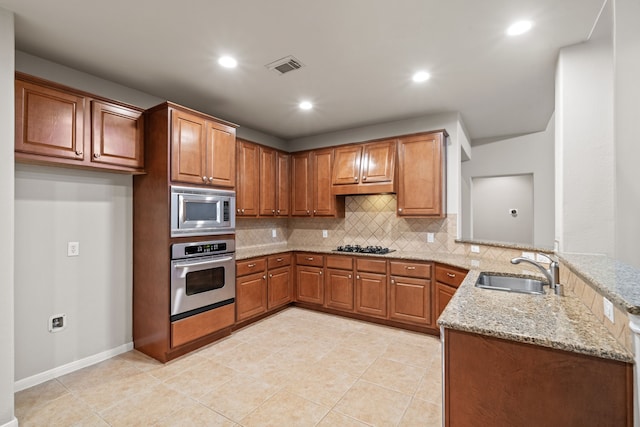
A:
{"points": [[584, 143], [448, 121], [532, 153], [627, 141], [6, 219]]}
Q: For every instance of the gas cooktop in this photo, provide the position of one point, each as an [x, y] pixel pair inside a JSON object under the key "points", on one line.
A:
{"points": [[378, 250]]}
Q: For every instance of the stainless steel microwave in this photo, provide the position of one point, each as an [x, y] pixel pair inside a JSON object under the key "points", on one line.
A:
{"points": [[202, 211]]}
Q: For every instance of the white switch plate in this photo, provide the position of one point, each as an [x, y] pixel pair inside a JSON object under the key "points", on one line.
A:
{"points": [[542, 258], [608, 309], [475, 249], [273, 233], [430, 237], [325, 234], [529, 255], [73, 248]]}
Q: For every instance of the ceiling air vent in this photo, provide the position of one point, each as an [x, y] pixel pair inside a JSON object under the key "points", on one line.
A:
{"points": [[285, 65]]}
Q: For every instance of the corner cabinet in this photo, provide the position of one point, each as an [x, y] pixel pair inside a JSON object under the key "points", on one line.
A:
{"points": [[203, 150], [58, 125], [421, 175]]}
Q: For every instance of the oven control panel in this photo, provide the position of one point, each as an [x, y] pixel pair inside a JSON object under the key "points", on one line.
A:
{"points": [[188, 250]]}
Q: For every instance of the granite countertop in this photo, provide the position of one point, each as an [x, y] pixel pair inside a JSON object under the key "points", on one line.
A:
{"points": [[563, 323], [618, 281]]}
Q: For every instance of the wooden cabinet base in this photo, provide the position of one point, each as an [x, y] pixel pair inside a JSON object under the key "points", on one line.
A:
{"points": [[191, 328], [494, 382]]}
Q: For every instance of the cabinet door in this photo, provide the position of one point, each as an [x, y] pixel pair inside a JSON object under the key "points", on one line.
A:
{"points": [[324, 202], [117, 135], [421, 175], [221, 155], [310, 285], [346, 168], [188, 148], [410, 300], [301, 194], [279, 287], [268, 165], [49, 122], [251, 295], [283, 184], [248, 179], [371, 294], [378, 162], [444, 293], [339, 287]]}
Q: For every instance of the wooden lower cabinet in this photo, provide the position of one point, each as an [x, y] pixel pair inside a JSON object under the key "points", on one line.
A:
{"points": [[251, 295], [371, 294], [197, 326], [410, 300], [448, 279], [310, 284], [279, 287], [339, 289], [444, 293], [493, 382]]}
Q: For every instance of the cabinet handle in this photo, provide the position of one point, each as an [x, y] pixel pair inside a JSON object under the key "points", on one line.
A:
{"points": [[210, 179], [242, 210], [238, 210], [320, 272], [273, 211], [78, 152], [399, 209], [310, 258], [451, 275], [96, 155], [307, 212], [355, 178], [349, 276], [251, 265], [393, 282], [358, 277], [264, 277], [270, 275], [364, 178], [278, 211], [409, 268], [314, 211], [279, 259], [204, 178]]}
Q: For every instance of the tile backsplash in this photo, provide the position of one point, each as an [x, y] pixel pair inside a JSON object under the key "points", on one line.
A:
{"points": [[369, 220]]}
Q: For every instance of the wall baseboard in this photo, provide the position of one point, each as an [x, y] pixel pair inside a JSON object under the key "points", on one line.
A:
{"points": [[68, 368], [12, 423]]}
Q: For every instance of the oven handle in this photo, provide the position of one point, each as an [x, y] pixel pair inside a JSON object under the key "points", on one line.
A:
{"points": [[211, 261]]}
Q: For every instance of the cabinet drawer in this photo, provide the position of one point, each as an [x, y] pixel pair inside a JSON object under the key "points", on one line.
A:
{"points": [[314, 260], [249, 266], [203, 324], [340, 262], [279, 260], [372, 265], [410, 269], [450, 275]]}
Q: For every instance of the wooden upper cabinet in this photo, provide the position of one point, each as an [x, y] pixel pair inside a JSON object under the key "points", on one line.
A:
{"points": [[324, 202], [248, 170], [58, 125], [188, 148], [283, 184], [202, 151], [117, 135], [268, 190], [221, 155], [301, 190], [364, 168], [421, 175]]}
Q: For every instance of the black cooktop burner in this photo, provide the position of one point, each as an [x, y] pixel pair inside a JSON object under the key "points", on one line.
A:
{"points": [[379, 250]]}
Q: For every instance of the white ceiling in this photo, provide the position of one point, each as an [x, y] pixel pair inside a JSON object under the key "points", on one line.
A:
{"points": [[359, 56]]}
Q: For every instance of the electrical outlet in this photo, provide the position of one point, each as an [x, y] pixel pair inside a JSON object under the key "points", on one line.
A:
{"points": [[73, 248], [57, 322], [475, 249], [529, 255], [325, 234], [475, 263], [542, 258], [273, 233], [608, 309], [430, 238]]}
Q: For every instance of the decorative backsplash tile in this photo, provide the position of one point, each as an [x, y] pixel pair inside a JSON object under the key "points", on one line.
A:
{"points": [[259, 232]]}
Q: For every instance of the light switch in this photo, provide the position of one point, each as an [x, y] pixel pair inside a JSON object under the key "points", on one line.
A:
{"points": [[475, 249], [430, 238], [325, 234], [273, 233], [73, 248], [608, 309]]}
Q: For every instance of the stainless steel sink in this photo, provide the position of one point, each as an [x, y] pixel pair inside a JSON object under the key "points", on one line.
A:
{"points": [[510, 284]]}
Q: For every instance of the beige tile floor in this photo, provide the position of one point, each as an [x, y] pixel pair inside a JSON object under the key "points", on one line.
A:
{"points": [[295, 368]]}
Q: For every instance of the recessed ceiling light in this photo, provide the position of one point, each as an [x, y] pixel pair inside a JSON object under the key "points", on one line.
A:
{"points": [[305, 105], [519, 27], [421, 76], [227, 62]]}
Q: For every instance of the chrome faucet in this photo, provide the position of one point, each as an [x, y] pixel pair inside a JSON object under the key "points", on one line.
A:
{"points": [[552, 274]]}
